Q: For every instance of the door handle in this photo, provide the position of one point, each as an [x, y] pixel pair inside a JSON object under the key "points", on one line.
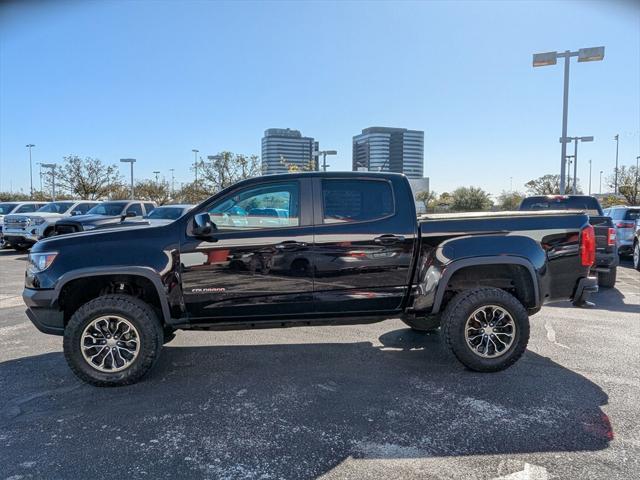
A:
{"points": [[388, 239], [290, 245]]}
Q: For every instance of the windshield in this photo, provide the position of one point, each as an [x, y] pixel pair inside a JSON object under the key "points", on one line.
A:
{"points": [[166, 213], [108, 208], [5, 208], [632, 214], [56, 207], [561, 202]]}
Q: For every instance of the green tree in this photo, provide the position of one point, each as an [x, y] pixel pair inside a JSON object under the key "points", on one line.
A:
{"points": [[467, 199], [427, 198], [545, 185], [87, 178], [191, 193], [628, 184], [158, 192], [509, 200], [310, 166]]}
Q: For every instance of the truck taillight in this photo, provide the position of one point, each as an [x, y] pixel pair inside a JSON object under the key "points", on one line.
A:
{"points": [[611, 237], [587, 246]]}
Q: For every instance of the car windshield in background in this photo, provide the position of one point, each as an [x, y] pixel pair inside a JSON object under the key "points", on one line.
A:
{"points": [[56, 207], [590, 205], [5, 208], [632, 214], [109, 208], [166, 213]]}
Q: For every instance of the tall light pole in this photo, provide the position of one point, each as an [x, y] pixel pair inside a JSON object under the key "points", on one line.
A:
{"points": [[172, 180], [40, 173], [324, 154], [570, 160], [195, 164], [52, 166], [29, 146], [575, 159], [131, 161], [551, 58], [589, 176], [615, 182], [156, 172], [600, 182], [635, 190]]}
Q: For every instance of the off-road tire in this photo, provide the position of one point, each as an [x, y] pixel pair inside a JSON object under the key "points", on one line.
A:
{"points": [[422, 324], [139, 313], [608, 279], [460, 308]]}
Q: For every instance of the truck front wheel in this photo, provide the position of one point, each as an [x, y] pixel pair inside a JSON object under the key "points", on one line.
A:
{"points": [[112, 340], [487, 329]]}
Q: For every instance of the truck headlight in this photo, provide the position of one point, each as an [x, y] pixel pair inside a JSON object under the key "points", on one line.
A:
{"points": [[37, 221], [41, 261]]}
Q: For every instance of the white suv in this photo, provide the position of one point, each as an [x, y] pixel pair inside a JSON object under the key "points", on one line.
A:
{"points": [[7, 208], [23, 230]]}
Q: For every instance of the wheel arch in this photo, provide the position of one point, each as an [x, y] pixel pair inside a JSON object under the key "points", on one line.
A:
{"points": [[527, 287], [90, 280]]}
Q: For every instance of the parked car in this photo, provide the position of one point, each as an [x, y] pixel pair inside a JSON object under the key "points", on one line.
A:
{"points": [[606, 264], [23, 230], [105, 214], [7, 208], [636, 245], [624, 221], [158, 216], [117, 295]]}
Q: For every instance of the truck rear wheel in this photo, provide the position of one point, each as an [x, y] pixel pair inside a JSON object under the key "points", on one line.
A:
{"points": [[608, 279], [112, 340], [487, 329]]}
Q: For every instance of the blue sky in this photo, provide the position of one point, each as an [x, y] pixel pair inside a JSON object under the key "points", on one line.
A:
{"points": [[152, 80]]}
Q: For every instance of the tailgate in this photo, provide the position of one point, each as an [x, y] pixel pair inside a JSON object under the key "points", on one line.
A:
{"points": [[601, 226]]}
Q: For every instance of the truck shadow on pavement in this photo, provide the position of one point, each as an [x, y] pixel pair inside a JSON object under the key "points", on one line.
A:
{"points": [[289, 410]]}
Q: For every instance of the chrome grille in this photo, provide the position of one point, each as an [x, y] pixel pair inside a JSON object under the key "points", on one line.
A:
{"points": [[16, 222]]}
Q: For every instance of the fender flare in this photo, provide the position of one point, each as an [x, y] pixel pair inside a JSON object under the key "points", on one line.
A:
{"points": [[145, 272], [456, 265]]}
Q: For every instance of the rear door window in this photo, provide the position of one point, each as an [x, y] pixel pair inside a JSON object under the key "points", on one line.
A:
{"points": [[346, 201], [149, 207]]}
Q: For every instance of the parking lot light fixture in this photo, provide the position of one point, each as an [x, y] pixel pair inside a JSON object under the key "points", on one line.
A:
{"points": [[593, 54], [195, 164], [29, 146], [131, 161], [52, 166]]}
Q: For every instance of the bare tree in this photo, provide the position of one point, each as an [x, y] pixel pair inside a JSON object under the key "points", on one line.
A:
{"points": [[87, 178], [158, 192], [225, 169], [510, 200], [628, 184]]}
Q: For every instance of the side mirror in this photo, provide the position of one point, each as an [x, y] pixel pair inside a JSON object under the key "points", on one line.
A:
{"points": [[203, 226], [127, 215]]}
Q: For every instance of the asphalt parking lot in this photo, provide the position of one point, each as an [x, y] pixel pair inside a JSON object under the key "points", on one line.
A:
{"points": [[371, 401]]}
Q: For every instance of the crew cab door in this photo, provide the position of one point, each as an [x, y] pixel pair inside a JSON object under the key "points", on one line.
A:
{"points": [[258, 263], [364, 241]]}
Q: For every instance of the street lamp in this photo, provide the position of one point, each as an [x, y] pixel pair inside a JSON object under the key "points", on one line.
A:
{"points": [[551, 58], [575, 157], [52, 166], [600, 182], [156, 172], [172, 180], [589, 176], [131, 161], [29, 145], [324, 154], [195, 164], [615, 182]]}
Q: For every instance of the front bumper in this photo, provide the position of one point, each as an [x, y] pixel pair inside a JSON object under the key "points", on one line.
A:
{"points": [[586, 286], [43, 311]]}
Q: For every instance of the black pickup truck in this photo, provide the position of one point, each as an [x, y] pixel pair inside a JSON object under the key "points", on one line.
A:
{"points": [[607, 260], [306, 249]]}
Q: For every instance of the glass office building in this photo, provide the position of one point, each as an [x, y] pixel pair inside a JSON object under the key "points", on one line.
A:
{"points": [[283, 147], [383, 149]]}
